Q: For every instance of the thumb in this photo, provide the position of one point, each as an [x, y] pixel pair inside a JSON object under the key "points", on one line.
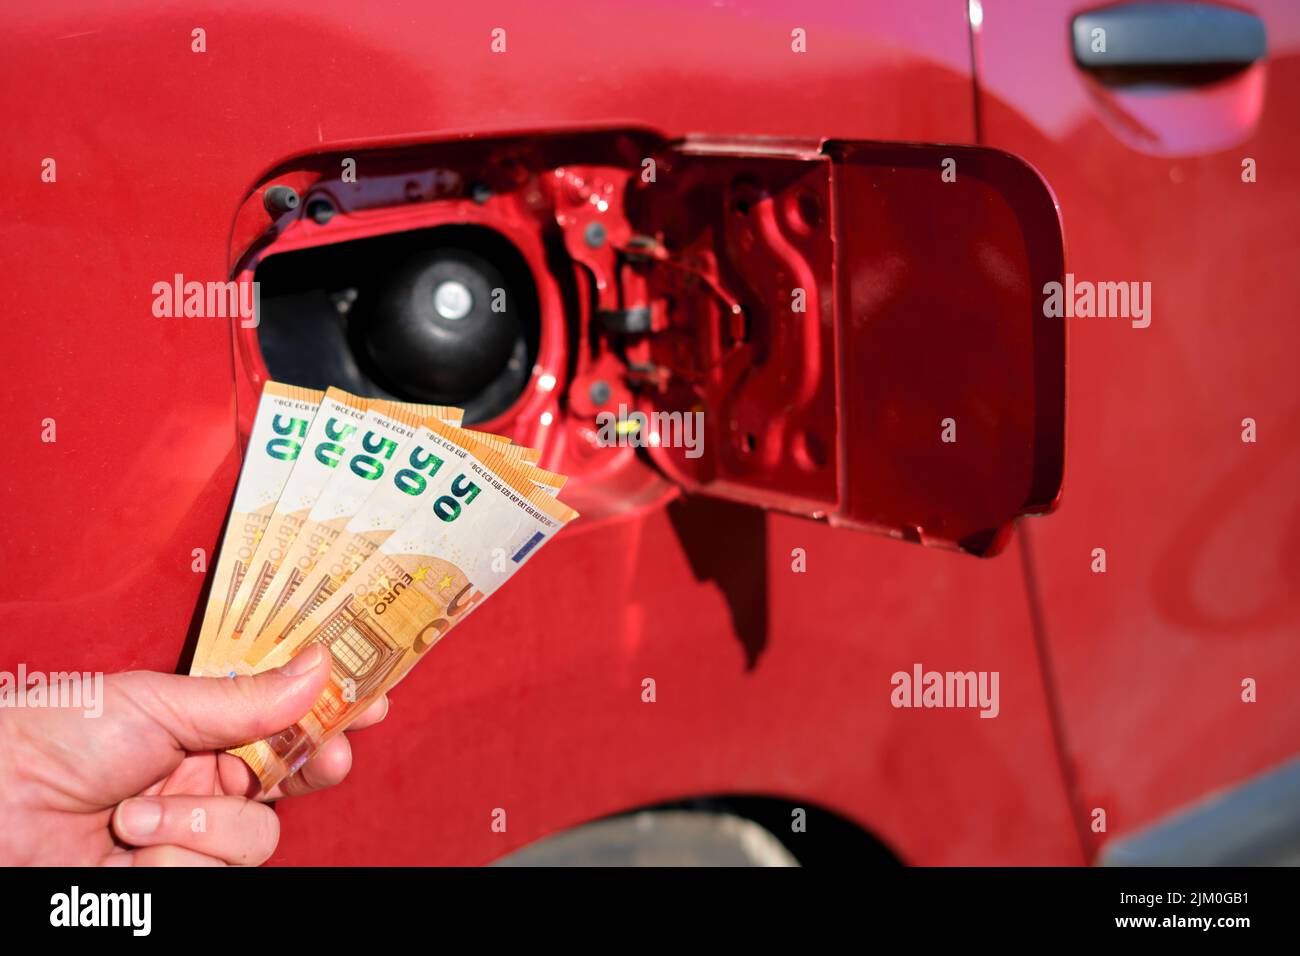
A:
{"points": [[214, 713]]}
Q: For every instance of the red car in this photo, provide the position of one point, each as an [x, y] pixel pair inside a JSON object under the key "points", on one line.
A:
{"points": [[922, 269]]}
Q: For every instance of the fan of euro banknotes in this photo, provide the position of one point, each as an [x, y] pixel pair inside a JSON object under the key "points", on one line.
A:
{"points": [[372, 527]]}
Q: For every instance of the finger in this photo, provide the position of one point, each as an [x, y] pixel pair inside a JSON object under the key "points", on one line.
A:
{"points": [[232, 829], [161, 856], [213, 713], [372, 715], [327, 769]]}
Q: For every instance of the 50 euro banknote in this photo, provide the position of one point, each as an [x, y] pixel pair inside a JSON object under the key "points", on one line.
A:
{"points": [[327, 444], [284, 415], [453, 552], [431, 458]]}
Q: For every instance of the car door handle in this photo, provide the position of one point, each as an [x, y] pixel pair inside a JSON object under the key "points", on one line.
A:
{"points": [[1168, 38]]}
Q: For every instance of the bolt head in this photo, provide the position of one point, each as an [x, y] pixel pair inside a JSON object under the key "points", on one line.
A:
{"points": [[595, 234], [453, 300]]}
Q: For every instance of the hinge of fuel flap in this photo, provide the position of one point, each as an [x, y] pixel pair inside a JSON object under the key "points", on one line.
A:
{"points": [[711, 280]]}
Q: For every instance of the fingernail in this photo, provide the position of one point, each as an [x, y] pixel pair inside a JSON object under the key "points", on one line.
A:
{"points": [[139, 818], [305, 662]]}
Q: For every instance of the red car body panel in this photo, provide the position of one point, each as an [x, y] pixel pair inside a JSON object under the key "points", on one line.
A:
{"points": [[769, 682], [1201, 530]]}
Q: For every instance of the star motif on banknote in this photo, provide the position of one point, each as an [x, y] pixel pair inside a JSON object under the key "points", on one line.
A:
{"points": [[445, 582], [420, 572], [322, 548]]}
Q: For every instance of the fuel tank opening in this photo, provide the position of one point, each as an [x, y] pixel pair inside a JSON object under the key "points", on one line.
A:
{"points": [[447, 315]]}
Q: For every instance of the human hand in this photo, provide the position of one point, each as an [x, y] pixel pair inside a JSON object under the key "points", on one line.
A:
{"points": [[147, 782]]}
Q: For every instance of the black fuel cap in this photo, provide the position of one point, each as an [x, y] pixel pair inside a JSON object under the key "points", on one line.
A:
{"points": [[442, 326]]}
